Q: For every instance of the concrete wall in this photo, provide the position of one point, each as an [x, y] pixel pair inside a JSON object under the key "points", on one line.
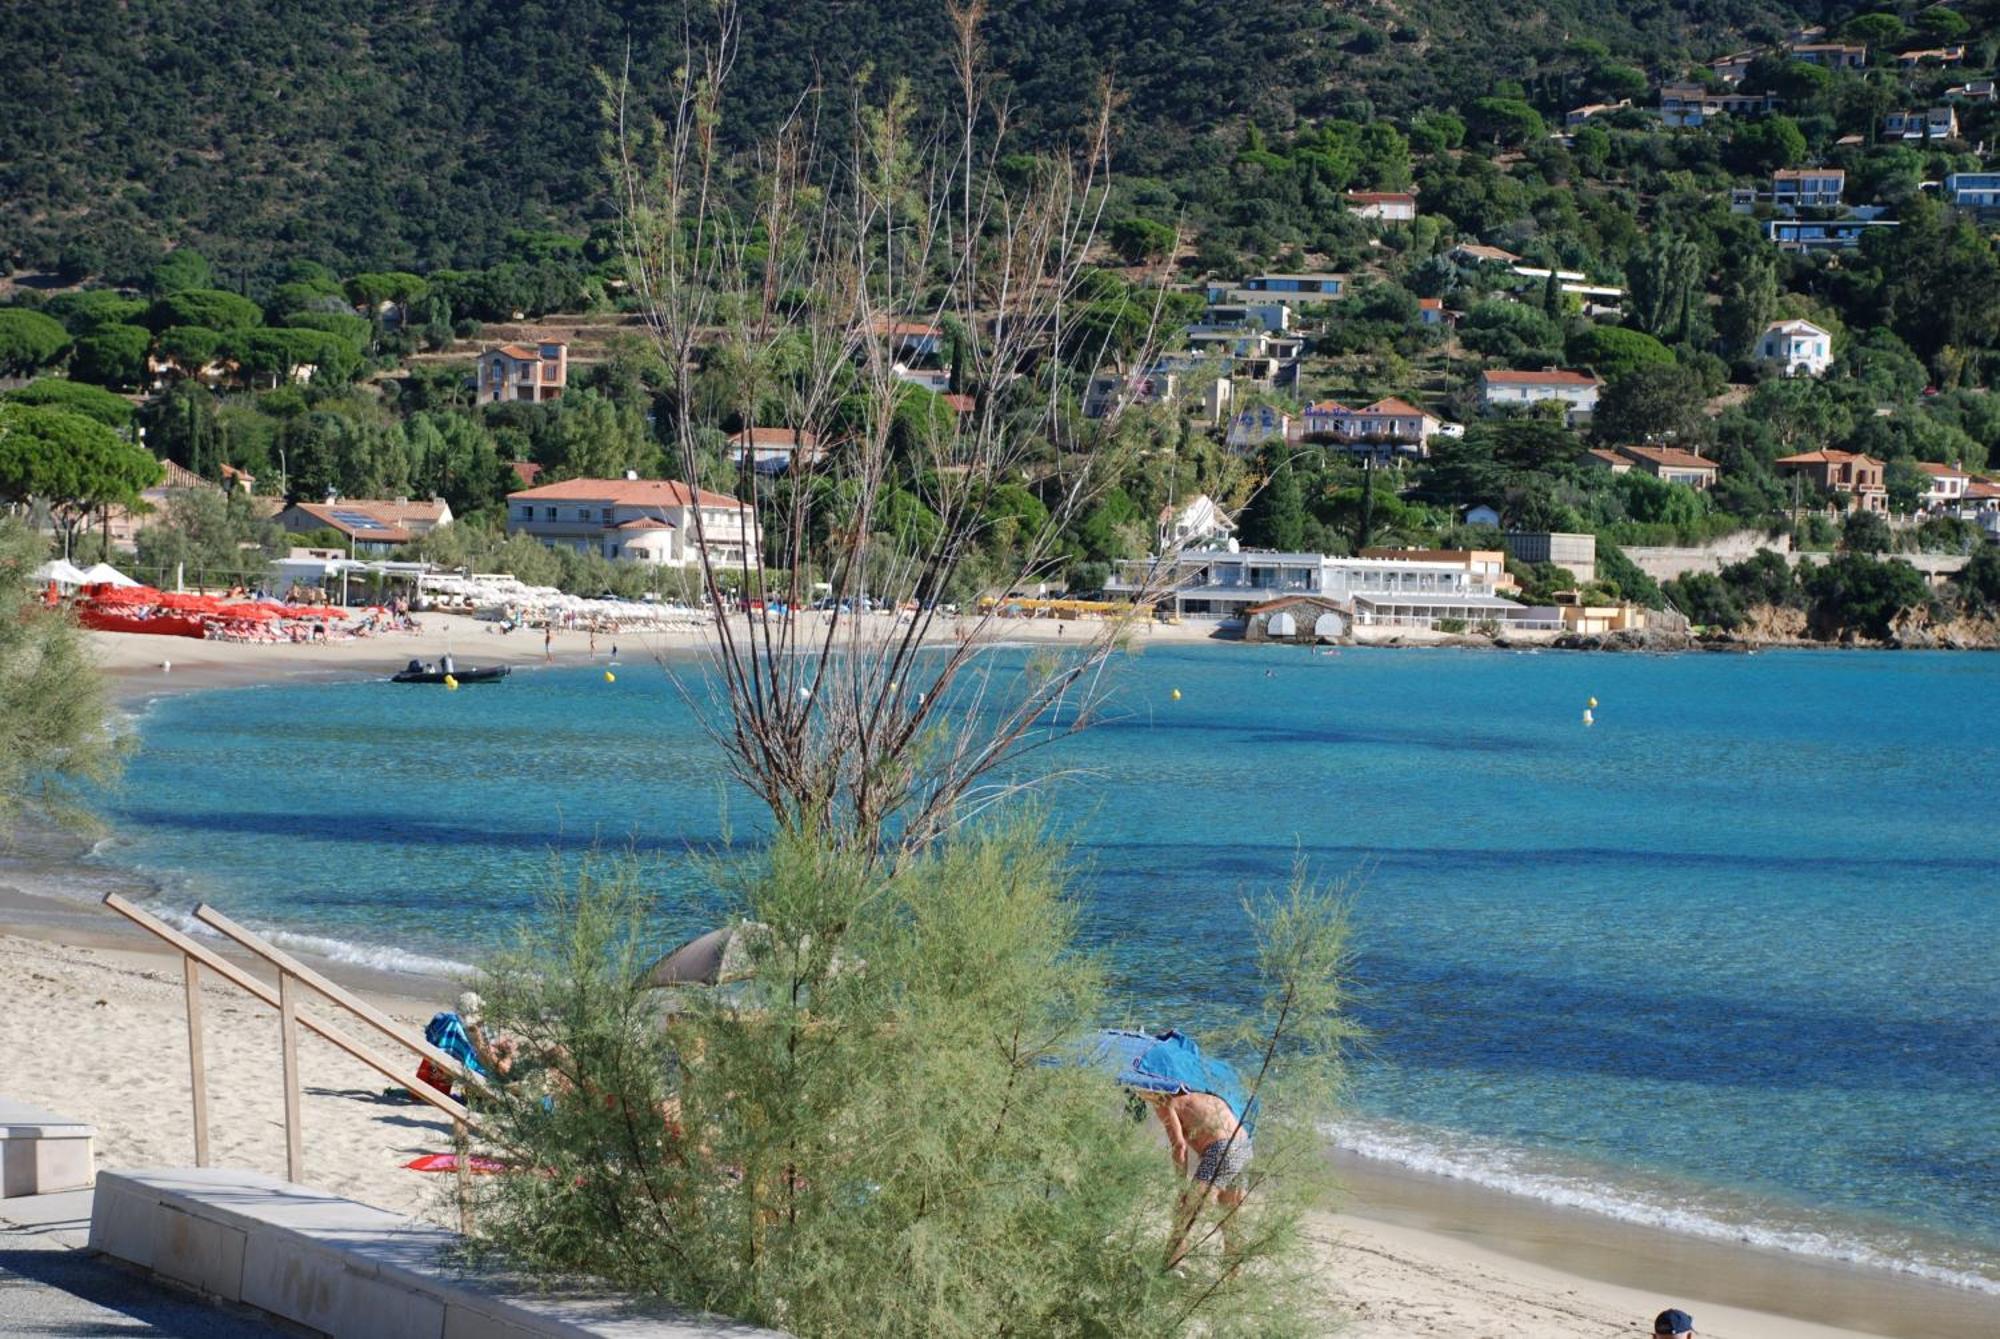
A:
{"points": [[340, 1268], [1664, 564]]}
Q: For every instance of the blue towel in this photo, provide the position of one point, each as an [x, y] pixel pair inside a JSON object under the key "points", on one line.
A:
{"points": [[447, 1033]]}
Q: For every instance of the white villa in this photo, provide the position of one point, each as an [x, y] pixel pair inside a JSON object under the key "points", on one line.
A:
{"points": [[1197, 524], [1946, 487], [1799, 348], [1576, 391], [1393, 592], [637, 520]]}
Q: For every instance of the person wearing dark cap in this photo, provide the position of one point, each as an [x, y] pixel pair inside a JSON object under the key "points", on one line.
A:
{"points": [[1673, 1322]]}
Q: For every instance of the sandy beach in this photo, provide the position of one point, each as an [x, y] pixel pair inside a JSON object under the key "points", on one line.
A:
{"points": [[92, 1025], [142, 666]]}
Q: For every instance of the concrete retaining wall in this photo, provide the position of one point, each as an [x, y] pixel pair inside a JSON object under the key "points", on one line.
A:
{"points": [[341, 1268]]}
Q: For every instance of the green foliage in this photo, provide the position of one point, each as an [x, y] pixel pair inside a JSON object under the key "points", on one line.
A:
{"points": [[92, 307], [1853, 595], [54, 715], [1504, 121], [1666, 282], [1624, 579], [1653, 401], [1611, 351], [1978, 582], [189, 347], [209, 307], [1705, 600], [1141, 239], [884, 1100], [1763, 146], [68, 462], [1866, 532], [29, 341], [179, 270], [114, 411], [1276, 516], [112, 355], [209, 531]]}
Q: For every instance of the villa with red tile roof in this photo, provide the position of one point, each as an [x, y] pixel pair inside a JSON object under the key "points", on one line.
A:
{"points": [[1945, 486], [638, 520], [370, 526], [1388, 206], [1672, 465], [522, 372], [774, 450], [1386, 429], [1576, 391], [1841, 473]]}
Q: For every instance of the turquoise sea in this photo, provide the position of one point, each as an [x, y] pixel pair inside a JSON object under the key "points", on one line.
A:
{"points": [[1727, 961]]}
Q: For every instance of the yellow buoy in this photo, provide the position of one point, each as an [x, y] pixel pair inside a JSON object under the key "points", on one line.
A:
{"points": [[450, 682], [1177, 694], [609, 677], [1591, 703]]}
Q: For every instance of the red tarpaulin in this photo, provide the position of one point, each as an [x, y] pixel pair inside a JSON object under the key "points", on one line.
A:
{"points": [[246, 613], [106, 593], [187, 602], [448, 1162], [170, 625]]}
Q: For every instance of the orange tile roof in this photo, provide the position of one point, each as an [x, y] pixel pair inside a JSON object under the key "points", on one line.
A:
{"points": [[1400, 408], [1830, 456], [625, 493], [519, 351], [644, 523], [1982, 488], [1937, 471], [1382, 197], [1671, 457], [1430, 304], [1608, 456], [1550, 377], [525, 471], [384, 531]]}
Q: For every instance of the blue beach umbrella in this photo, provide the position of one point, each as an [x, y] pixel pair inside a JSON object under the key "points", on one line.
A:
{"points": [[1166, 1062]]}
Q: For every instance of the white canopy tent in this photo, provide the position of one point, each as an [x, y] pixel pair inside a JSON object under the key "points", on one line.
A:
{"points": [[63, 572], [107, 575]]}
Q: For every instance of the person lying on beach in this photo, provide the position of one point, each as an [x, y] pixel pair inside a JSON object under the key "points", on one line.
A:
{"points": [[1674, 1323], [1203, 1130]]}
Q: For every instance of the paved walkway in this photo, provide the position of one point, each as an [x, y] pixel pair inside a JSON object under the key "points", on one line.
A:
{"points": [[50, 1289]]}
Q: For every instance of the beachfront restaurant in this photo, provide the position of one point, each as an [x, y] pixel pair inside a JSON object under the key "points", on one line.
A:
{"points": [[1388, 591]]}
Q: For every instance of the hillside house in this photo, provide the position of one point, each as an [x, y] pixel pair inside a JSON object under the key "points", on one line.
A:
{"points": [[1933, 123], [1973, 190], [1831, 235], [1808, 187], [1604, 458], [533, 372], [774, 450], [638, 520], [1385, 430], [1692, 106], [1256, 426], [1797, 348], [1576, 116], [371, 527], [1430, 311], [1474, 253], [1975, 90], [1831, 55], [911, 342], [1197, 524], [1273, 318], [1672, 465], [1945, 486], [1855, 478], [1386, 206], [1291, 289], [1731, 68], [1936, 55], [1575, 391]]}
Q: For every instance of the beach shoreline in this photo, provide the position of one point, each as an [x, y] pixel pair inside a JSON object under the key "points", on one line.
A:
{"points": [[1409, 1252]]}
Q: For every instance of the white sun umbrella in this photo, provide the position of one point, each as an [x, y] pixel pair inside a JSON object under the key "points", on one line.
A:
{"points": [[61, 571], [106, 574]]}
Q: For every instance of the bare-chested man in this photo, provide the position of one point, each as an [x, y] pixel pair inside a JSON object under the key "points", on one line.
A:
{"points": [[1203, 1131]]}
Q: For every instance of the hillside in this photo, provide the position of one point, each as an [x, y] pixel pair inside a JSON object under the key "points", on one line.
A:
{"points": [[383, 134]]}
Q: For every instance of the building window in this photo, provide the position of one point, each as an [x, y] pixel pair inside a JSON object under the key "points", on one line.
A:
{"points": [[548, 513]]}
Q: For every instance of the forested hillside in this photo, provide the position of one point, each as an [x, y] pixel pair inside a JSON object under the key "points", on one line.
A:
{"points": [[372, 134]]}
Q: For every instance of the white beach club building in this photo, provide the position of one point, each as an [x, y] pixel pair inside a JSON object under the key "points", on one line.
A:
{"points": [[1397, 592], [637, 520]]}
